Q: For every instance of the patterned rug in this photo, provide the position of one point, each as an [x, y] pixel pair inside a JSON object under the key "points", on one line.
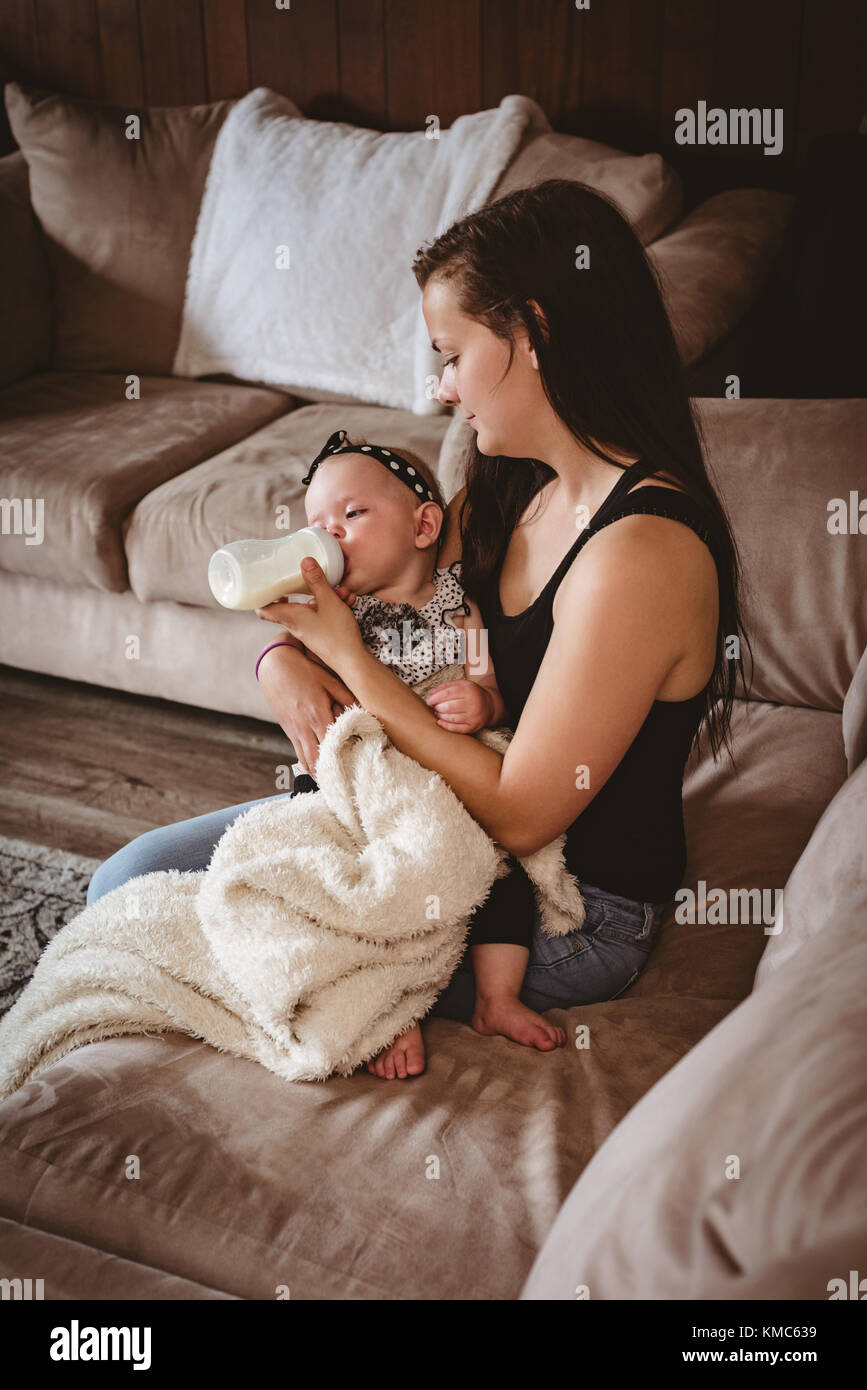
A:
{"points": [[41, 889]]}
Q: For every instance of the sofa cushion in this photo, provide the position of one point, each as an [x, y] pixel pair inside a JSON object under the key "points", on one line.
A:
{"points": [[648, 191], [83, 455], [780, 466], [714, 264], [745, 829], [74, 1266], [829, 882], [174, 530], [9, 72], [743, 1168], [25, 331], [119, 216]]}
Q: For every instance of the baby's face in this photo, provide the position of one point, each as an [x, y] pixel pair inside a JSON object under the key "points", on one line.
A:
{"points": [[377, 527]]}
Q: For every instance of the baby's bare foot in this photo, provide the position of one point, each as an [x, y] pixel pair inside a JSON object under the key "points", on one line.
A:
{"points": [[506, 1015], [405, 1057]]}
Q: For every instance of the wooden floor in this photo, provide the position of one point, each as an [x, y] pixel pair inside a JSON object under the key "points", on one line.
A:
{"points": [[86, 769]]}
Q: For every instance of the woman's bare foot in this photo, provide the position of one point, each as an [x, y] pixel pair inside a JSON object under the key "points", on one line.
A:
{"points": [[506, 1015], [405, 1057]]}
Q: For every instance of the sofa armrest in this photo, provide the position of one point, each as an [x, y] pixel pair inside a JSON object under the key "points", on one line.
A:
{"points": [[714, 264], [855, 717], [25, 334]]}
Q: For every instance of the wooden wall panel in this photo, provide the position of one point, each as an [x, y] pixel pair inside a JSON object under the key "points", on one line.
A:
{"points": [[120, 46], [19, 44], [536, 50], [361, 54], [756, 56], [688, 44], [617, 72], [623, 74], [70, 58], [173, 52], [433, 61], [226, 63], [730, 54], [833, 88], [295, 52]]}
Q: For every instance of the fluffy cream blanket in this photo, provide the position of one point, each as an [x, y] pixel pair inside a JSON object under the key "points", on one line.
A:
{"points": [[300, 269], [324, 926]]}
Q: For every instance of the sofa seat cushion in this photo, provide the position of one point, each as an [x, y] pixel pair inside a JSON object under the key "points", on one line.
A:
{"points": [[442, 1186], [744, 830], [73, 443], [74, 1266], [246, 489]]}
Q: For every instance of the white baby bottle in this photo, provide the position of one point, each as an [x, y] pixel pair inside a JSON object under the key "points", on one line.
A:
{"points": [[249, 574]]}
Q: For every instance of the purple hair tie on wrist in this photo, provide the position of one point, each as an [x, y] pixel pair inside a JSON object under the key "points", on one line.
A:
{"points": [[283, 643]]}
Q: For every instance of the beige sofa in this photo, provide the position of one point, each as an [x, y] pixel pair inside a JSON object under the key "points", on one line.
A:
{"points": [[708, 1142], [606, 1168], [138, 494]]}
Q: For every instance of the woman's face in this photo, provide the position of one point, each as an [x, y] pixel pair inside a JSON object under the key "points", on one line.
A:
{"points": [[503, 410]]}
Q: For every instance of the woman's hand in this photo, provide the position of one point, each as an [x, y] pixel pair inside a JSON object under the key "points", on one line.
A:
{"points": [[304, 697], [326, 625]]}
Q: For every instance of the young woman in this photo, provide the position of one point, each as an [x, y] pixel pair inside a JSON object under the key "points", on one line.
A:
{"points": [[604, 568]]}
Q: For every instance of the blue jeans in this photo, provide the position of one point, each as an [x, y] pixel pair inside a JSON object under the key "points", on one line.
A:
{"points": [[186, 845], [596, 962], [589, 966]]}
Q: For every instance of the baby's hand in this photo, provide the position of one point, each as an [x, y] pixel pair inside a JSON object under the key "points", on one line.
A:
{"points": [[461, 707]]}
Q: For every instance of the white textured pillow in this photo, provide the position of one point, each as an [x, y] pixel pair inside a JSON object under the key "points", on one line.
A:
{"points": [[300, 274]]}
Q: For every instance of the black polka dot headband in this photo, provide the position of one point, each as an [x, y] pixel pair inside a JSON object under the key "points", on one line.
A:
{"points": [[387, 457]]}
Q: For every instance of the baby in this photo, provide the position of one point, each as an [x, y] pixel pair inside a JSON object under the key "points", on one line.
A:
{"points": [[385, 508]]}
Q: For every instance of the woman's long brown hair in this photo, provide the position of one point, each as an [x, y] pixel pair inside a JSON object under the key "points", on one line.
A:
{"points": [[609, 366]]}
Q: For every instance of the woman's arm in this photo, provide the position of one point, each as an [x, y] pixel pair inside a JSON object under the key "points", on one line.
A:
{"points": [[625, 618], [304, 698], [304, 701]]}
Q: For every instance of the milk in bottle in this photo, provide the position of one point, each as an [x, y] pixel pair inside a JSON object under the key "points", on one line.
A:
{"points": [[249, 574]]}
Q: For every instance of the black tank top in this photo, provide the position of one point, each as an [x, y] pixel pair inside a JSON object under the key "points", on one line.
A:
{"points": [[630, 840]]}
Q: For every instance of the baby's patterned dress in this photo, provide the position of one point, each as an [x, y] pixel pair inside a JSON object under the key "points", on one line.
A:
{"points": [[416, 642]]}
